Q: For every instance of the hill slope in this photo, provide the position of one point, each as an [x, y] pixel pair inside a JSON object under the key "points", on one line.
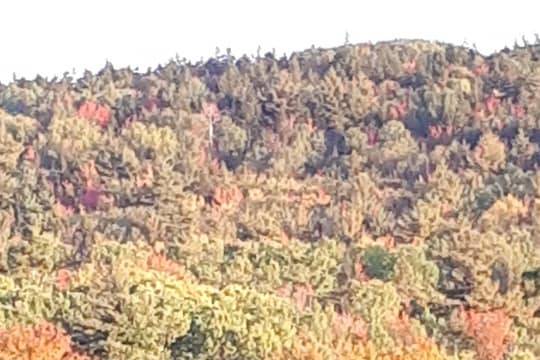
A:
{"points": [[362, 202]]}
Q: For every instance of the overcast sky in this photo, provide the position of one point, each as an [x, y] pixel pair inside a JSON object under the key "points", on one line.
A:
{"points": [[50, 37]]}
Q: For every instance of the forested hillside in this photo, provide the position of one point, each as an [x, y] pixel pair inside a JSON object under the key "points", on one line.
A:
{"points": [[372, 201]]}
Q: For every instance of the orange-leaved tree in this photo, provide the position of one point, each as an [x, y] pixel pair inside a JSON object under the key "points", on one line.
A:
{"points": [[490, 331], [43, 341], [92, 111]]}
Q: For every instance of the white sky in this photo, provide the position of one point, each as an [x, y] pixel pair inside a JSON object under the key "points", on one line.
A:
{"points": [[50, 37]]}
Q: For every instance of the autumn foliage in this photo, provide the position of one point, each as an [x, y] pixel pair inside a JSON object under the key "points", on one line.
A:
{"points": [[490, 331], [43, 341], [92, 111], [368, 201]]}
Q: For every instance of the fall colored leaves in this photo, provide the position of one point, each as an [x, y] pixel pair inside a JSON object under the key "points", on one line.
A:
{"points": [[43, 341]]}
